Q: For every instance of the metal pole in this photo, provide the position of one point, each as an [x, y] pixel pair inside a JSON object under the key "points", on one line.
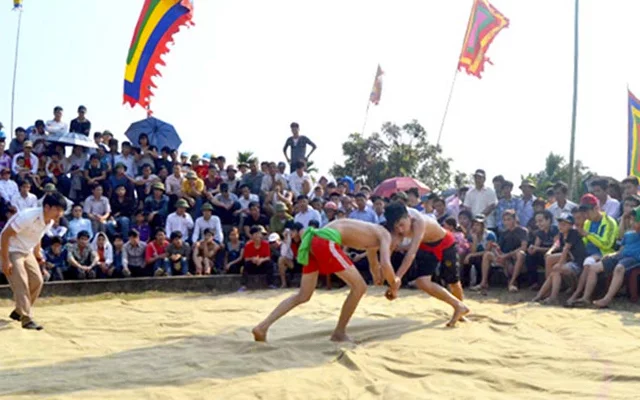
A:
{"points": [[575, 101], [366, 117], [15, 71], [446, 108]]}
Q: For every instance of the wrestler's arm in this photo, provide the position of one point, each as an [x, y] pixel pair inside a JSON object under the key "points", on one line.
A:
{"points": [[385, 260], [374, 266], [418, 226]]}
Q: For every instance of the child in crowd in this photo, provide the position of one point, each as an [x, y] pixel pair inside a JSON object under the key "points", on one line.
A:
{"points": [[235, 253], [257, 257], [482, 240], [627, 218], [104, 251], [570, 262], [56, 260], [204, 253], [155, 254], [142, 226], [82, 258], [117, 269], [177, 256], [544, 238], [462, 244]]}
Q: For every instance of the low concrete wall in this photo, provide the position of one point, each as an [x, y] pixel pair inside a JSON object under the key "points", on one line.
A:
{"points": [[220, 283]]}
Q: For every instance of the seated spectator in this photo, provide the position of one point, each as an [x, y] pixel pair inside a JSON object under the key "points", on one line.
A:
{"points": [[51, 188], [257, 257], [146, 182], [95, 173], [204, 253], [362, 212], [279, 194], [465, 220], [226, 205], [279, 219], [599, 234], [133, 255], [127, 159], [378, 207], [122, 208], [608, 204], [569, 264], [142, 226], [532, 226], [193, 192], [177, 259], [305, 213], [120, 178], [298, 177], [30, 160], [234, 254], [117, 269], [78, 223], [155, 254], [510, 254], [232, 180], [24, 199], [103, 249], [271, 177], [253, 178], [211, 181], [17, 144], [253, 218], [56, 261], [545, 236], [82, 258], [180, 221], [246, 198], [156, 206], [561, 205], [208, 221], [174, 182], [462, 244], [98, 209], [55, 231], [8, 187], [440, 209], [482, 241], [626, 221], [287, 263], [330, 210]]}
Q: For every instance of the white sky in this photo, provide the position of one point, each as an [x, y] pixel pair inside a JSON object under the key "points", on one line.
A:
{"points": [[248, 68]]}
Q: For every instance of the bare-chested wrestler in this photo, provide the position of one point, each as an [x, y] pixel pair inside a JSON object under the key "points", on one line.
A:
{"points": [[320, 252], [431, 245]]}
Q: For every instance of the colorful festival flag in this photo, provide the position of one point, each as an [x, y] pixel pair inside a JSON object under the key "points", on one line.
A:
{"points": [[17, 4], [633, 154], [159, 20], [376, 91], [484, 24]]}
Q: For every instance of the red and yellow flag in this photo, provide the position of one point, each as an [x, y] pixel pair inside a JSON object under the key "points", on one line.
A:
{"points": [[376, 91], [484, 24]]}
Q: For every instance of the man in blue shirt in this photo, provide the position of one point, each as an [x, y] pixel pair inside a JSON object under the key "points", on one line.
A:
{"points": [[363, 213]]}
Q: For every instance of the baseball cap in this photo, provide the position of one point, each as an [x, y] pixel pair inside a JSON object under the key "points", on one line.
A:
{"points": [[274, 237], [567, 217], [589, 202]]}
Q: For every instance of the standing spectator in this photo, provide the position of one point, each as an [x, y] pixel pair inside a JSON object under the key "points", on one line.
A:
{"points": [[362, 212], [561, 205], [507, 202], [526, 211], [81, 257], [298, 144], [133, 255], [30, 159], [17, 143], [208, 221], [608, 204], [253, 179], [81, 124], [178, 252], [24, 199], [298, 177], [305, 213], [179, 221], [98, 209], [482, 200], [56, 125], [20, 255], [78, 224], [155, 254], [257, 257]]}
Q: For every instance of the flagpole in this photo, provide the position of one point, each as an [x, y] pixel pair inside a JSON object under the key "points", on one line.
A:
{"points": [[15, 71], [366, 117], [575, 99], [446, 108]]}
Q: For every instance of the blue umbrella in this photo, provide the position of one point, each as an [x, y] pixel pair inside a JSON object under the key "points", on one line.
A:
{"points": [[160, 133]]}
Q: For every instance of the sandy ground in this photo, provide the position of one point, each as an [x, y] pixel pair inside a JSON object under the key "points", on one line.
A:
{"points": [[200, 347]]}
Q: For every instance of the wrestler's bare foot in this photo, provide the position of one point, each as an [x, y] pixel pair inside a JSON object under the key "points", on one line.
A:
{"points": [[259, 334], [464, 319], [459, 312], [602, 303], [340, 337]]}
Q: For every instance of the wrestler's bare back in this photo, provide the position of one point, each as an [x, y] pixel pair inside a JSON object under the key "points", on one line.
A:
{"points": [[357, 234], [433, 232]]}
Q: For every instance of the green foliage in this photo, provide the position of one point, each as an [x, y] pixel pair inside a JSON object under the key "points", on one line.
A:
{"points": [[246, 157], [311, 169], [396, 151], [557, 169]]}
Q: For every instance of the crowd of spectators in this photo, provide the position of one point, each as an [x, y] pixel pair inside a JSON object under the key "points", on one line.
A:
{"points": [[136, 210]]}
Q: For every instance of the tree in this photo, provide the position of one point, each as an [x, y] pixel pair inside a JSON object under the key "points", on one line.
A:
{"points": [[311, 169], [557, 169], [246, 157], [396, 151]]}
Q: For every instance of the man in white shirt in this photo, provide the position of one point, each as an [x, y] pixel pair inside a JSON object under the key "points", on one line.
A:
{"points": [[98, 209], [305, 213], [481, 199], [30, 159], [271, 178], [24, 199], [297, 178], [8, 187], [127, 159], [561, 205], [207, 221], [180, 220], [56, 125], [173, 183], [246, 198], [20, 252], [608, 204]]}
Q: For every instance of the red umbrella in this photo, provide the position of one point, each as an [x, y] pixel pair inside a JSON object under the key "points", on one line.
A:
{"points": [[400, 184]]}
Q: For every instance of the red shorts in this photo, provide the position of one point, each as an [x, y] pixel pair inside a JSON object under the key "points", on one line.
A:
{"points": [[326, 257]]}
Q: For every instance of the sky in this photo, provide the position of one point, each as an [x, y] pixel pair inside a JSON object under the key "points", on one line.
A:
{"points": [[236, 80]]}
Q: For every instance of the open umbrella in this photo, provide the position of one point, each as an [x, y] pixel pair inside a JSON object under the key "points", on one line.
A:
{"points": [[160, 133], [400, 184], [72, 139]]}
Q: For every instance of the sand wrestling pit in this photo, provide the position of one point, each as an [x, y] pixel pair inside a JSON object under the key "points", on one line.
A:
{"points": [[200, 347]]}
